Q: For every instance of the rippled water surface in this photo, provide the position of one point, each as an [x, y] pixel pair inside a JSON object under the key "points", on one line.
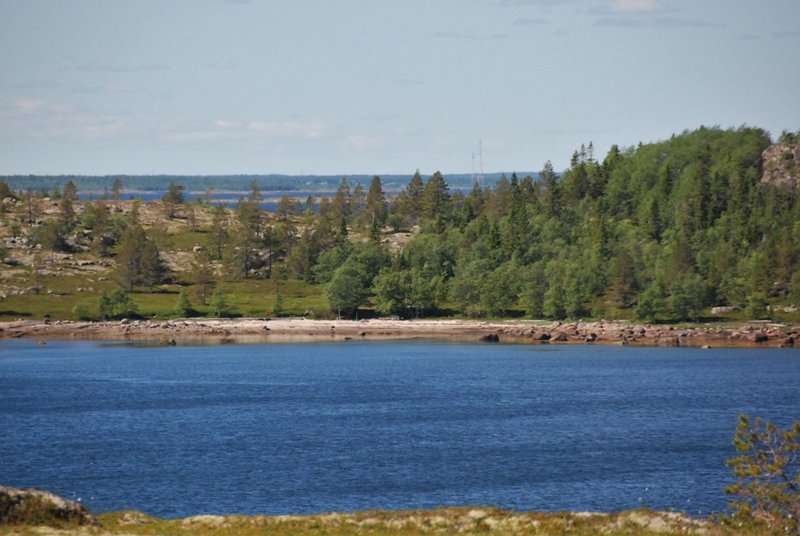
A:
{"points": [[358, 425]]}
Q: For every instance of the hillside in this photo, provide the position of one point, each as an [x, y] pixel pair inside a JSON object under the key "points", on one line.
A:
{"points": [[659, 232]]}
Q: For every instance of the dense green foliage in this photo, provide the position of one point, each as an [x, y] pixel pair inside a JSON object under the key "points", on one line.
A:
{"points": [[660, 231]]}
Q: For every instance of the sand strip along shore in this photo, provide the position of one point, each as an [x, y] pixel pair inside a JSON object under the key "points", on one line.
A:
{"points": [[751, 334]]}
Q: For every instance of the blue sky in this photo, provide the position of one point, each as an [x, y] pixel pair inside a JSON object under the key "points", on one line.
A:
{"points": [[378, 86]]}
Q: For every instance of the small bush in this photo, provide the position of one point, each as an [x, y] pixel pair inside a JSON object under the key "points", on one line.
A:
{"points": [[183, 307], [117, 305], [219, 305], [82, 311]]}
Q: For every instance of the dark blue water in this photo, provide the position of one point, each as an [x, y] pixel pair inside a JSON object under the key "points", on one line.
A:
{"points": [[351, 426]]}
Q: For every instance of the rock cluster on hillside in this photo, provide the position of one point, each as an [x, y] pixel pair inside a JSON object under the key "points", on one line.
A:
{"points": [[782, 165], [36, 507]]}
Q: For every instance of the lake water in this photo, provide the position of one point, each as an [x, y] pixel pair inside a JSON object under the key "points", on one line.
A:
{"points": [[300, 428]]}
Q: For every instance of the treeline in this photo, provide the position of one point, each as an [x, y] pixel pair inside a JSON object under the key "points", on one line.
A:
{"points": [[97, 186], [658, 232]]}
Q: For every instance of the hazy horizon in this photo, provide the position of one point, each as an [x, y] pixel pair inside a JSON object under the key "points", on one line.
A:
{"points": [[219, 87]]}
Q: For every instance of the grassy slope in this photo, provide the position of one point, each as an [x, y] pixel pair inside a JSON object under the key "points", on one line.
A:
{"points": [[64, 285], [439, 521]]}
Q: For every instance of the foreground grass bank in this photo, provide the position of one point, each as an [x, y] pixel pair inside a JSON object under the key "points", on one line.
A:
{"points": [[439, 521]]}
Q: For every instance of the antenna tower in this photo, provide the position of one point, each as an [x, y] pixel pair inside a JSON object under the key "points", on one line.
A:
{"points": [[474, 177], [480, 156]]}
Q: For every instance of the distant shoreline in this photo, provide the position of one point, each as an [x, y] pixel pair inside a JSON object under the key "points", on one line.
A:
{"points": [[760, 334]]}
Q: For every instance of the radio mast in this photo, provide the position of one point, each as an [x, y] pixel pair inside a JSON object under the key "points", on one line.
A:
{"points": [[474, 177], [480, 157]]}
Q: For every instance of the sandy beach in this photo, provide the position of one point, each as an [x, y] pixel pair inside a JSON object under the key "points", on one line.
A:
{"points": [[185, 331]]}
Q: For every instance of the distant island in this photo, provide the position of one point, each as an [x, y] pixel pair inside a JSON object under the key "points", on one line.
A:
{"points": [[699, 228], [146, 186]]}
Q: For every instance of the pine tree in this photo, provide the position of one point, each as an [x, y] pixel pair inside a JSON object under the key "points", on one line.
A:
{"points": [[767, 472], [286, 208], [376, 203], [548, 188], [172, 198], [183, 307], [138, 260], [341, 208], [68, 199], [202, 275], [116, 190], [153, 268], [128, 262], [413, 198], [219, 304], [219, 229], [435, 197], [358, 202]]}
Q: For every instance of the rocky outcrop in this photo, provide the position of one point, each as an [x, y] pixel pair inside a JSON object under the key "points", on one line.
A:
{"points": [[782, 165], [36, 507], [750, 334]]}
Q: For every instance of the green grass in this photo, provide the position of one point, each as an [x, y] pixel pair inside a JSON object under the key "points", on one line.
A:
{"points": [[186, 240], [58, 303], [250, 298]]}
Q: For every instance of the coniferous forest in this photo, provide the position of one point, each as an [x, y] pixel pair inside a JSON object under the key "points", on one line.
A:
{"points": [[655, 232]]}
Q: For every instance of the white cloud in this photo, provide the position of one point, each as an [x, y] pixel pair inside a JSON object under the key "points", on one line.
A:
{"points": [[288, 129], [224, 129], [32, 106], [468, 36], [33, 117], [530, 22], [37, 118], [119, 88], [191, 136], [637, 6], [224, 124], [224, 65], [537, 3], [360, 142], [644, 14], [113, 67], [653, 22]]}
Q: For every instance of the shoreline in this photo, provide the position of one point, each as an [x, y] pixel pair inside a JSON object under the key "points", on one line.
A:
{"points": [[263, 330], [38, 509]]}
